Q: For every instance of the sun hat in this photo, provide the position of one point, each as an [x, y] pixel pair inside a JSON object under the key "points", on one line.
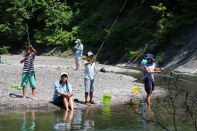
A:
{"points": [[64, 73], [90, 53], [149, 56], [78, 41]]}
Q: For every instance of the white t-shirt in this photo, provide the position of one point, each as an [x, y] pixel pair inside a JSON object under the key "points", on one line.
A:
{"points": [[89, 70], [151, 68]]}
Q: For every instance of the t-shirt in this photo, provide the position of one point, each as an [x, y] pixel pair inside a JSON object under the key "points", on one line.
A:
{"points": [[151, 68], [89, 70], [79, 51], [61, 88], [29, 63]]}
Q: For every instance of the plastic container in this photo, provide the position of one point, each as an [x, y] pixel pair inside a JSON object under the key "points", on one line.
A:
{"points": [[106, 99], [135, 90]]}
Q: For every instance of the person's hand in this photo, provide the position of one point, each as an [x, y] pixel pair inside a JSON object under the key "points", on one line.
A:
{"points": [[69, 94]]}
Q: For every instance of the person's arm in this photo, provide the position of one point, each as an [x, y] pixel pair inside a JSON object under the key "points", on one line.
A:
{"points": [[151, 72], [69, 94], [23, 60], [32, 49], [88, 62], [159, 69], [76, 47], [79, 47]]}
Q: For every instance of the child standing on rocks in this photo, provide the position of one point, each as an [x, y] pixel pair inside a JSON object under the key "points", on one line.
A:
{"points": [[78, 53], [28, 70], [89, 77], [150, 69]]}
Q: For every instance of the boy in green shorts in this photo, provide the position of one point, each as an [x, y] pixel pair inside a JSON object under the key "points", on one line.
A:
{"points": [[28, 70]]}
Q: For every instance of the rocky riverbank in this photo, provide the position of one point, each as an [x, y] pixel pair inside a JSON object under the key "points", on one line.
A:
{"points": [[48, 70]]}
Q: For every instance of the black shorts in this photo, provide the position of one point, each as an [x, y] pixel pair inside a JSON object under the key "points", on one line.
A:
{"points": [[59, 101], [149, 85]]}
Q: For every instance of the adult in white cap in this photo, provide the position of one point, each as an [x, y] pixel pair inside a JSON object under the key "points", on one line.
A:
{"points": [[78, 53], [89, 77], [63, 93]]}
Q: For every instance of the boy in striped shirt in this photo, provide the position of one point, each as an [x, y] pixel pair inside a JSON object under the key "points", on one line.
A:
{"points": [[28, 70]]}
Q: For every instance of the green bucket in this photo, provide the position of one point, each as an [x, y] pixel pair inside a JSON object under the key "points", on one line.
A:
{"points": [[106, 99]]}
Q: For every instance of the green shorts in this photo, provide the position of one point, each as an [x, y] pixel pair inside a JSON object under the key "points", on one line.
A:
{"points": [[28, 77]]}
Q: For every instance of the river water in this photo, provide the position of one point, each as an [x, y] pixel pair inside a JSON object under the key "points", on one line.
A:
{"points": [[175, 112], [126, 117]]}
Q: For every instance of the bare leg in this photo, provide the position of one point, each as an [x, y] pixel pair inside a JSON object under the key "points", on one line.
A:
{"points": [[71, 103], [66, 103], [76, 63], [33, 115], [24, 92], [65, 115], [148, 101], [70, 116], [91, 96], [79, 62], [33, 93], [86, 97]]}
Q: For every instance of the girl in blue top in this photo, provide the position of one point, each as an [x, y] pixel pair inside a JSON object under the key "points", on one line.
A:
{"points": [[63, 93]]}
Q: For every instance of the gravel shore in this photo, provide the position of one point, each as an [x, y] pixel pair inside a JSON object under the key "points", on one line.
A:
{"points": [[48, 70]]}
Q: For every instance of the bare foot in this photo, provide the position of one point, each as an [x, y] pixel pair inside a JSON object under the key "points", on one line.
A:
{"points": [[23, 97], [33, 98]]}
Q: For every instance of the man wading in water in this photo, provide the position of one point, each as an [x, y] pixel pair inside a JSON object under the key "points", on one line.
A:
{"points": [[150, 68]]}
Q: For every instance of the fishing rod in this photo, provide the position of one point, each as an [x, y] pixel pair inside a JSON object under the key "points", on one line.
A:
{"points": [[28, 38], [109, 32]]}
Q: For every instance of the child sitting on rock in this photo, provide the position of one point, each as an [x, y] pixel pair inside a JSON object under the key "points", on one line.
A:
{"points": [[63, 93]]}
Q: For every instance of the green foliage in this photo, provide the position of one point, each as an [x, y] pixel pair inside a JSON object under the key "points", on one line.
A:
{"points": [[180, 43], [139, 53], [48, 21], [4, 28], [57, 23], [160, 9], [67, 53], [160, 57], [4, 49]]}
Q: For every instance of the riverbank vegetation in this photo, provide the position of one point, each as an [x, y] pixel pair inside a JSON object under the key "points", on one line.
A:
{"points": [[143, 26]]}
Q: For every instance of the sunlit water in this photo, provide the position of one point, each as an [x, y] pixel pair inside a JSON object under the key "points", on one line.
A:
{"points": [[121, 118], [117, 118]]}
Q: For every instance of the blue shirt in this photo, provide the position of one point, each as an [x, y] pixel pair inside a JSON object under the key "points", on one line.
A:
{"points": [[61, 88], [79, 51]]}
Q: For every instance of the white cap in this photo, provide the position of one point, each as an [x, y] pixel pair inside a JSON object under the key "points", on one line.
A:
{"points": [[78, 41], [90, 53], [64, 73]]}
